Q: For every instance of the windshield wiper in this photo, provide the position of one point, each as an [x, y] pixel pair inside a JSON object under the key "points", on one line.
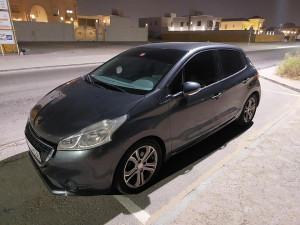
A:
{"points": [[103, 84]]}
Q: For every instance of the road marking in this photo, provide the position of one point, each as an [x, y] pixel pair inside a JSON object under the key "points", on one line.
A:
{"points": [[297, 46], [279, 92], [134, 209], [216, 167]]}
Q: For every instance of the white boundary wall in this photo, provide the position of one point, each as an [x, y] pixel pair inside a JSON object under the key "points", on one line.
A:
{"points": [[35, 31], [120, 29]]}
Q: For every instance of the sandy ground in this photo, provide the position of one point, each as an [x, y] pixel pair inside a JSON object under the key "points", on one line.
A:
{"points": [[260, 186]]}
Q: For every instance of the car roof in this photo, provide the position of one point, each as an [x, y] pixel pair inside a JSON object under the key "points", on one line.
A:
{"points": [[189, 46]]}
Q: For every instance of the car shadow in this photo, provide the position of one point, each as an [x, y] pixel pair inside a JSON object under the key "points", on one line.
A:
{"points": [[184, 161], [26, 200]]}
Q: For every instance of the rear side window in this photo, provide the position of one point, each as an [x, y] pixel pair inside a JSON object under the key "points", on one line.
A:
{"points": [[231, 61]]}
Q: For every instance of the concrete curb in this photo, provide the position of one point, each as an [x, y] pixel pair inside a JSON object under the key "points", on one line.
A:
{"points": [[281, 84]]}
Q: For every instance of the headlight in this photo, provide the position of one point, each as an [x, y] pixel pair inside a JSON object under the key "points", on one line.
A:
{"points": [[92, 136]]}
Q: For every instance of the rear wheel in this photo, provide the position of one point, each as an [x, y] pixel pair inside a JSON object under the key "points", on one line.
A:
{"points": [[138, 167], [249, 110]]}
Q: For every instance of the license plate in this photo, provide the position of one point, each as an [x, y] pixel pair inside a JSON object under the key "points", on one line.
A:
{"points": [[34, 151]]}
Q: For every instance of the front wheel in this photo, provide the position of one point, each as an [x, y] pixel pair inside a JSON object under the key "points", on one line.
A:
{"points": [[249, 110], [138, 167]]}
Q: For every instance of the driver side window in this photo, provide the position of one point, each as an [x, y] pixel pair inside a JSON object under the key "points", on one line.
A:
{"points": [[200, 68]]}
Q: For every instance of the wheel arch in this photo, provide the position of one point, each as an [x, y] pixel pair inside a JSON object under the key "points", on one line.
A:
{"points": [[257, 95]]}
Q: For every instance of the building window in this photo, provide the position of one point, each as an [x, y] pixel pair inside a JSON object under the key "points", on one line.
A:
{"points": [[209, 23], [199, 23], [155, 23], [225, 26], [171, 24], [56, 13], [181, 24], [187, 23]]}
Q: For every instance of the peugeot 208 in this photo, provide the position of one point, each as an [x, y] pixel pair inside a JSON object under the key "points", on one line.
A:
{"points": [[114, 127]]}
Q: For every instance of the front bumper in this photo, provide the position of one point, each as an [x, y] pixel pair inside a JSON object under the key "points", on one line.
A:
{"points": [[92, 175], [91, 171]]}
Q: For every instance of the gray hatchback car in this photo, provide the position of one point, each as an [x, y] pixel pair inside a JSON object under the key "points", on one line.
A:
{"points": [[114, 127]]}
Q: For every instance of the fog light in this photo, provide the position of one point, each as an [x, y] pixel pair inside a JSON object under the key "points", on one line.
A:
{"points": [[71, 185]]}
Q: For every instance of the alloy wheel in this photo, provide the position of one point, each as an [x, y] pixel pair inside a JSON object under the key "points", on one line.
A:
{"points": [[249, 109], [140, 166]]}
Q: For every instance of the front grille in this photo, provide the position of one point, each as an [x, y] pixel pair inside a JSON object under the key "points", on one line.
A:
{"points": [[44, 149]]}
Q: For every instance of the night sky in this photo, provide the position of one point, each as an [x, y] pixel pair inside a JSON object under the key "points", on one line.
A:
{"points": [[275, 12]]}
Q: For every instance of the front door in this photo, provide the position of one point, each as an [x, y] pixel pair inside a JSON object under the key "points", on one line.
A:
{"points": [[193, 116]]}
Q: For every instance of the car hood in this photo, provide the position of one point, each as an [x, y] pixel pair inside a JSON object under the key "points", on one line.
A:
{"points": [[75, 105]]}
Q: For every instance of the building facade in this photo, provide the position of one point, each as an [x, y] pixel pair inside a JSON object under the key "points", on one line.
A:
{"points": [[51, 11], [195, 23], [157, 25], [255, 22]]}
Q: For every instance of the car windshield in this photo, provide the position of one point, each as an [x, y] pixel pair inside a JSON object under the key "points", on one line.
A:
{"points": [[137, 70]]}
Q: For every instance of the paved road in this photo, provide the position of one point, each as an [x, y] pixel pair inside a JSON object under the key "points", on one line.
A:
{"points": [[33, 204]]}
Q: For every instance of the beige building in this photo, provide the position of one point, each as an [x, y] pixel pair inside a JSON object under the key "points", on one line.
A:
{"points": [[255, 22], [52, 11]]}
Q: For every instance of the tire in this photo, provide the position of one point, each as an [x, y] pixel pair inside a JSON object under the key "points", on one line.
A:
{"points": [[249, 110], [138, 167]]}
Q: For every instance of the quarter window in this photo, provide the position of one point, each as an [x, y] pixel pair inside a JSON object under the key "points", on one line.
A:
{"points": [[231, 61]]}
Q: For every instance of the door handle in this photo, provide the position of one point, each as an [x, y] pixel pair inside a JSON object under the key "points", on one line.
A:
{"points": [[216, 96], [246, 80]]}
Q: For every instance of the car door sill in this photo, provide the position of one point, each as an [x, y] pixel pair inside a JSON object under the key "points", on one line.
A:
{"points": [[201, 137]]}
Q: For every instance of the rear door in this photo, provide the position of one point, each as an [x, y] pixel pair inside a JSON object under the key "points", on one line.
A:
{"points": [[233, 82]]}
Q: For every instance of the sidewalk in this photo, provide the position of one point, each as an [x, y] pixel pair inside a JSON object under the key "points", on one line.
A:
{"points": [[259, 186], [270, 74]]}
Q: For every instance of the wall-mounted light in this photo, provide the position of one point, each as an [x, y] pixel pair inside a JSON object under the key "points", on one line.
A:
{"points": [[32, 16], [104, 21], [61, 18], [71, 19], [69, 11], [146, 25]]}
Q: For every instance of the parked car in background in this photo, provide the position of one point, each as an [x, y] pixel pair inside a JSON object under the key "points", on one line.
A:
{"points": [[114, 127]]}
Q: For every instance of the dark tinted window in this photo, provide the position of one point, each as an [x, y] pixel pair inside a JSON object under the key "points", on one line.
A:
{"points": [[201, 69], [176, 84], [232, 62]]}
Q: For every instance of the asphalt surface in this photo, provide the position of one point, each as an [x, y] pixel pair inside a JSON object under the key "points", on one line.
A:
{"points": [[27, 201]]}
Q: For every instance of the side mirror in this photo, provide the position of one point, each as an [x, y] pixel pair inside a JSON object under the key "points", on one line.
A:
{"points": [[191, 88]]}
